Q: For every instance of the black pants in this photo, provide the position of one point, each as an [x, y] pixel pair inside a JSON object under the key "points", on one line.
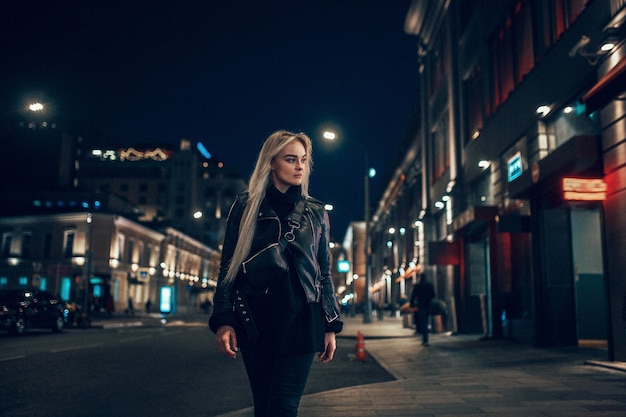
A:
{"points": [[277, 382], [422, 319]]}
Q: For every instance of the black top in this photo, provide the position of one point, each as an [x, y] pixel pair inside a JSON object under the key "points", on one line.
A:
{"points": [[422, 295], [286, 322]]}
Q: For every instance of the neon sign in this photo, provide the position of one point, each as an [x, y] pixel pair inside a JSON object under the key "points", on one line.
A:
{"points": [[584, 189], [132, 154], [515, 167]]}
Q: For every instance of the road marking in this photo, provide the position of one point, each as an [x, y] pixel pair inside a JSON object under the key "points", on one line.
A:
{"points": [[133, 339], [12, 358], [172, 333], [71, 348]]}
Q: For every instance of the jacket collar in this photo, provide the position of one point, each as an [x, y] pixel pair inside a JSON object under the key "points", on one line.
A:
{"points": [[266, 210]]}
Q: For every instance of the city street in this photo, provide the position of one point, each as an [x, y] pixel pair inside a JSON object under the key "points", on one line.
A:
{"points": [[152, 370]]}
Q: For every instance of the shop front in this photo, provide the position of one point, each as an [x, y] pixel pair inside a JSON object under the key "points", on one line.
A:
{"points": [[565, 191]]}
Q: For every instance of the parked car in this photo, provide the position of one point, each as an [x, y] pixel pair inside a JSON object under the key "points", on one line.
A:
{"points": [[25, 308]]}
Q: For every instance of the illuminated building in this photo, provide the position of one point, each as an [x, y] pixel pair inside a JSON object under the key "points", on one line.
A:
{"points": [[183, 189], [510, 177]]}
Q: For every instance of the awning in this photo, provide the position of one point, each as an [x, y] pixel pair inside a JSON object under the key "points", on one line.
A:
{"points": [[612, 84], [473, 215], [580, 154]]}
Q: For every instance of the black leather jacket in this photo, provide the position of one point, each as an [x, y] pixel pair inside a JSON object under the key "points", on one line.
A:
{"points": [[312, 257]]}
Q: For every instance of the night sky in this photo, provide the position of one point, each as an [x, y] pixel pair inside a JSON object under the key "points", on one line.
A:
{"points": [[226, 73]]}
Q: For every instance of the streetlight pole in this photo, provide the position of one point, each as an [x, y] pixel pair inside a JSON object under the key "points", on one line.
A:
{"points": [[86, 307], [367, 314], [367, 303]]}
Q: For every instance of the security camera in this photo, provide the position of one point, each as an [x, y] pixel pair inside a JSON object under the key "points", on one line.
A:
{"points": [[578, 48]]}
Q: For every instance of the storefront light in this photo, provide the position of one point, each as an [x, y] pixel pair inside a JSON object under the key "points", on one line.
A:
{"points": [[543, 110], [483, 164]]}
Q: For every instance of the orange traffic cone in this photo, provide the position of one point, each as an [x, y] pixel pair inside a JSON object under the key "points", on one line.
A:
{"points": [[361, 356]]}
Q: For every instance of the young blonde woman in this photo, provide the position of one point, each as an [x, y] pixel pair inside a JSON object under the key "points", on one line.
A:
{"points": [[278, 321]]}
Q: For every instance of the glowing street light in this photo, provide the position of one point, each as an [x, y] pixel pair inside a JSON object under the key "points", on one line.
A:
{"points": [[35, 107], [369, 172], [328, 135]]}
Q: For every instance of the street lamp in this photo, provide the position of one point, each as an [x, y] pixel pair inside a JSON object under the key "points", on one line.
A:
{"points": [[367, 313], [35, 107]]}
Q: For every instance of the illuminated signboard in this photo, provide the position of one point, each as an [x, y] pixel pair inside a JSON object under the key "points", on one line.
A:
{"points": [[143, 274], [203, 150], [165, 306], [515, 166], [584, 189], [132, 154], [343, 266]]}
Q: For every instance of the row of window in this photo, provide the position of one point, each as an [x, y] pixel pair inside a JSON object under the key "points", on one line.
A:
{"points": [[527, 32], [126, 247]]}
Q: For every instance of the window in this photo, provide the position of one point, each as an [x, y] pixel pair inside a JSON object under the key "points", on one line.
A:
{"points": [[7, 239], [27, 242], [475, 117], [441, 148], [523, 27], [502, 65], [564, 12], [147, 254], [68, 243], [141, 254], [47, 245], [130, 250], [121, 241], [512, 52], [439, 65]]}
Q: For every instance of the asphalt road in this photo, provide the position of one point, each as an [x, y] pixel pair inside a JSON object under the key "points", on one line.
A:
{"points": [[149, 370]]}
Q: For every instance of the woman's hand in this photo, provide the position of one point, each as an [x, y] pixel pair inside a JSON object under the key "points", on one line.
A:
{"points": [[227, 341], [330, 345]]}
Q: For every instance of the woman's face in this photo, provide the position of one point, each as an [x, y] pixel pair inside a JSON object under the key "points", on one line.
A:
{"points": [[287, 167]]}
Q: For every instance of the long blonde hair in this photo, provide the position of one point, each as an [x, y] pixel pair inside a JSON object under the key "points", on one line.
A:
{"points": [[257, 185]]}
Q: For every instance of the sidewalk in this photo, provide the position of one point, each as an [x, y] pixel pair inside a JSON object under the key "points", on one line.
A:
{"points": [[462, 375]]}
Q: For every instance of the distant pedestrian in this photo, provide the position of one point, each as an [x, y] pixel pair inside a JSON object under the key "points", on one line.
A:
{"points": [[131, 308], [421, 298], [148, 306], [109, 305], [280, 315]]}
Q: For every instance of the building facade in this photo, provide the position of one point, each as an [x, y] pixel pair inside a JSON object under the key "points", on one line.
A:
{"points": [[184, 189], [120, 262], [509, 185], [156, 218]]}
